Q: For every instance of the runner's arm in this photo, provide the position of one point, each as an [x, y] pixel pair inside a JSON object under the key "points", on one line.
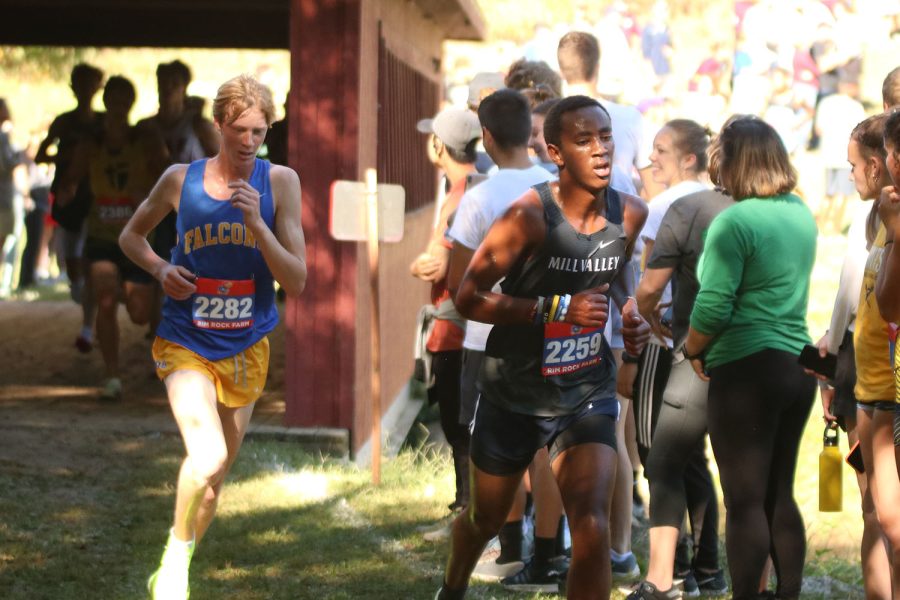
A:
{"points": [[284, 250], [41, 155], [649, 293], [78, 170], [887, 286], [176, 281], [509, 240]]}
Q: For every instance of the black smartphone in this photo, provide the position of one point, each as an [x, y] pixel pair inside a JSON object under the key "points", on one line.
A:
{"points": [[855, 459], [810, 358], [666, 318]]}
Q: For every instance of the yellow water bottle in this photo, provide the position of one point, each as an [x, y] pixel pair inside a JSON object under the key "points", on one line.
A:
{"points": [[830, 477]]}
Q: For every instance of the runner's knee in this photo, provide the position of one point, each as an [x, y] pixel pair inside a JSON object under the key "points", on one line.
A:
{"points": [[209, 469]]}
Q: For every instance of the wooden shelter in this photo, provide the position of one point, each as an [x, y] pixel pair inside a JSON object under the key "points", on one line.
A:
{"points": [[362, 73]]}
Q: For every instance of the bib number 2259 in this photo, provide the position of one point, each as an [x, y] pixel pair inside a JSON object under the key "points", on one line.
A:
{"points": [[223, 303], [570, 348]]}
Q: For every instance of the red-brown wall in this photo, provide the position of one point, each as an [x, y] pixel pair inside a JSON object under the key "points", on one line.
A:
{"points": [[334, 70]]}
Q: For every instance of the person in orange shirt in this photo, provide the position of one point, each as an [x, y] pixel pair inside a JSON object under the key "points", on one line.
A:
{"points": [[453, 136]]}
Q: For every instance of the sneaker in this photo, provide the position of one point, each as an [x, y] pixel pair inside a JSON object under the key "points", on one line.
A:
{"points": [[689, 587], [170, 581], [534, 578], [488, 569], [711, 584], [440, 531], [626, 568], [83, 344], [111, 389], [647, 591]]}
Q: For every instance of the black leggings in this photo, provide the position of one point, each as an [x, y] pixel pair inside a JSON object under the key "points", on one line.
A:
{"points": [[758, 407], [446, 368], [677, 468]]}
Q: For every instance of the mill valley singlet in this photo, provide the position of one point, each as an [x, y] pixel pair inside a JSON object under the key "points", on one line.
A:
{"points": [[234, 305], [552, 370]]}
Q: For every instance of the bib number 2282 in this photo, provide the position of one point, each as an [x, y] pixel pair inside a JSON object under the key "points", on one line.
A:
{"points": [[223, 303], [570, 348]]}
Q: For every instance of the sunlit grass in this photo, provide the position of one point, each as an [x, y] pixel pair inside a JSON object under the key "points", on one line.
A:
{"points": [[92, 521]]}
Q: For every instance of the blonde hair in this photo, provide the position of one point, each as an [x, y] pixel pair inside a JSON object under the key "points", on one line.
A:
{"points": [[748, 160], [240, 93]]}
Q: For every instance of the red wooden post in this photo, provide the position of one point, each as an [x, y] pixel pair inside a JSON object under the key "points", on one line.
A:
{"points": [[323, 146]]}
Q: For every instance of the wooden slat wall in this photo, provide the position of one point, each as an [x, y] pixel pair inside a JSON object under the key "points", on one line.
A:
{"points": [[404, 97]]}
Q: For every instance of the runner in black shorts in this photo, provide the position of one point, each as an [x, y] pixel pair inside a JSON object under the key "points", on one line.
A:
{"points": [[548, 377], [97, 251]]}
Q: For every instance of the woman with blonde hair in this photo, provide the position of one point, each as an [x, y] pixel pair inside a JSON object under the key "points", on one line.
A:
{"points": [[747, 328]]}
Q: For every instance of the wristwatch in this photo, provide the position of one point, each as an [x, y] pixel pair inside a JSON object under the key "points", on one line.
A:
{"points": [[684, 353]]}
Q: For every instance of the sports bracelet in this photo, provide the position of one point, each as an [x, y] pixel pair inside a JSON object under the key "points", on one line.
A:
{"points": [[563, 308], [554, 307], [537, 314], [545, 310]]}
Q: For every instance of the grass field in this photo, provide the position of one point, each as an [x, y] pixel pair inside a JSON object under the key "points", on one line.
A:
{"points": [[85, 514]]}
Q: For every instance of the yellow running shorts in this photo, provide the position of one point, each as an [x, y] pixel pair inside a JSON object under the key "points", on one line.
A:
{"points": [[239, 379]]}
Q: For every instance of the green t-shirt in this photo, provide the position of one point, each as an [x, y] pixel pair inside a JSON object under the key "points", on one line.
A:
{"points": [[754, 278]]}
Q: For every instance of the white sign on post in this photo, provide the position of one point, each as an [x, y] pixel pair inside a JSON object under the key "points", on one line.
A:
{"points": [[369, 212], [347, 221]]}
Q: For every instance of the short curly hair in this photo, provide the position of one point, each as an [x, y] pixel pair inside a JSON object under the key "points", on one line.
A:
{"points": [[239, 94]]}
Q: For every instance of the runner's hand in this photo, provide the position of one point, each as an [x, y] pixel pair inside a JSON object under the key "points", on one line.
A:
{"points": [[889, 207], [245, 197], [177, 282], [589, 308], [635, 330]]}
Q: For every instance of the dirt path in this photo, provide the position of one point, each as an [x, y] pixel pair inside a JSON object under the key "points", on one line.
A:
{"points": [[47, 385]]}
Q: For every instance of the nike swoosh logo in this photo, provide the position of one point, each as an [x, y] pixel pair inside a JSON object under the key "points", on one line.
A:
{"points": [[605, 244]]}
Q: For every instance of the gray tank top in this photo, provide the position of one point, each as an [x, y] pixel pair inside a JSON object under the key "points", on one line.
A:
{"points": [[552, 370]]}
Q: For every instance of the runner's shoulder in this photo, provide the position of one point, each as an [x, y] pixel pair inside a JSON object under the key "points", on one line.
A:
{"points": [[285, 184], [528, 212], [281, 175], [635, 206], [172, 179]]}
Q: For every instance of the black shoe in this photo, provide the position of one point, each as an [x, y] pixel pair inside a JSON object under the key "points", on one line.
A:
{"points": [[647, 591], [689, 587], [711, 584], [535, 578]]}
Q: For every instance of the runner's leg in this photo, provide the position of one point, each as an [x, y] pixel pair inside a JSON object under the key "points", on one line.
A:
{"points": [[193, 400], [586, 476], [105, 284], [234, 426], [490, 501]]}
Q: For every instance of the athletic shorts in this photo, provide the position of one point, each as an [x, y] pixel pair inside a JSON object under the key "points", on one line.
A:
{"points": [[504, 442], [239, 379], [98, 251], [73, 242]]}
